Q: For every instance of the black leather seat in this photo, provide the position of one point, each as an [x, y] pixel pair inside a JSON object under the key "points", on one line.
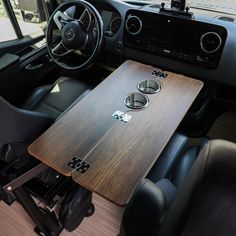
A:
{"points": [[148, 206], [204, 205], [54, 99], [175, 161], [19, 127]]}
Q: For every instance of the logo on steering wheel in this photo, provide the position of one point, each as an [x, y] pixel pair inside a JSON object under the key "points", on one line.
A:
{"points": [[69, 34]]}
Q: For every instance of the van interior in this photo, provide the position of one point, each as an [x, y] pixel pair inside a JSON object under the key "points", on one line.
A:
{"points": [[118, 117]]}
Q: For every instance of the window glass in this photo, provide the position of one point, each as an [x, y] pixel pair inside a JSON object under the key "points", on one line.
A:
{"points": [[7, 31], [30, 15]]}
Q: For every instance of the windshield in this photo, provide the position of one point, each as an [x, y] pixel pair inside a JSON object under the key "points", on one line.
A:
{"points": [[227, 6]]}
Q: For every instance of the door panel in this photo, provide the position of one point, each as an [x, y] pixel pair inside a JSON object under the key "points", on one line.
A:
{"points": [[31, 70], [17, 45], [23, 65]]}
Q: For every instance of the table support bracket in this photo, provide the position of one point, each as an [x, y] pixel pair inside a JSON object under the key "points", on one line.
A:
{"points": [[19, 181]]}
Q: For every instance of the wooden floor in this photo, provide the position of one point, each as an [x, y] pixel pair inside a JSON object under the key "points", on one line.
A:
{"points": [[105, 221]]}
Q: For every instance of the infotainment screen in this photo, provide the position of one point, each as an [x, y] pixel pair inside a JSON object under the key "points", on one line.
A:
{"points": [[184, 39], [170, 33]]}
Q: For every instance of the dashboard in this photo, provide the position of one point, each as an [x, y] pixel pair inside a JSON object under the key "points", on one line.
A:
{"points": [[111, 18], [202, 47], [182, 39]]}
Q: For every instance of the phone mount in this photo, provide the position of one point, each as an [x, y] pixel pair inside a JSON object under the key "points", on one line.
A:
{"points": [[178, 5], [178, 8]]}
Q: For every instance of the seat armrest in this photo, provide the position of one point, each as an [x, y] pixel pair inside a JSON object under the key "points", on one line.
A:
{"points": [[20, 126], [183, 166], [37, 95], [147, 208], [168, 158]]}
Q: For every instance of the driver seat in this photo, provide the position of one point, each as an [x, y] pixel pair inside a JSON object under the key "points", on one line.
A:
{"points": [[53, 100], [20, 127]]}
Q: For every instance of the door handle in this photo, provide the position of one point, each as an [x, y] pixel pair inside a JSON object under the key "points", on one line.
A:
{"points": [[33, 67]]}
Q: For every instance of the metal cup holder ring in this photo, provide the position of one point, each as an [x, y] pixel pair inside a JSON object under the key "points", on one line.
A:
{"points": [[136, 100], [149, 86]]}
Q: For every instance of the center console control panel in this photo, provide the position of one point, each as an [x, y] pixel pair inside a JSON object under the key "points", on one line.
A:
{"points": [[179, 38]]}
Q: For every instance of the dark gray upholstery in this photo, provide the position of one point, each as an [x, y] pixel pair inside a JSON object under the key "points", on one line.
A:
{"points": [[164, 166], [206, 203], [149, 205], [183, 166], [19, 127], [54, 99], [147, 208], [175, 161]]}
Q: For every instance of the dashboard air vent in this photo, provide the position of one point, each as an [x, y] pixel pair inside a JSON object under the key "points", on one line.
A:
{"points": [[226, 18]]}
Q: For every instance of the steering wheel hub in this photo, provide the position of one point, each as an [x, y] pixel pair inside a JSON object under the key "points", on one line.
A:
{"points": [[73, 35], [69, 34]]}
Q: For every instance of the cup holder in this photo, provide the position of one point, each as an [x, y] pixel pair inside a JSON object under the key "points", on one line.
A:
{"points": [[136, 101], [149, 86]]}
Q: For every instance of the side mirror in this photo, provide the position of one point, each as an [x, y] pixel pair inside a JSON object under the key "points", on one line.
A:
{"points": [[32, 10]]}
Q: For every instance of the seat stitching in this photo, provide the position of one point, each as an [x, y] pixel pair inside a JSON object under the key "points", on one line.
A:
{"points": [[48, 105]]}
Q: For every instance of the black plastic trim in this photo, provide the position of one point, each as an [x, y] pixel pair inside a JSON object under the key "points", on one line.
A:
{"points": [[12, 18]]}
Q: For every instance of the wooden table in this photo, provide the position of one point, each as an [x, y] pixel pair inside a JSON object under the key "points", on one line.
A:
{"points": [[119, 154]]}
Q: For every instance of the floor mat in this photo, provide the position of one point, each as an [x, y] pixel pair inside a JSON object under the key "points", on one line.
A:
{"points": [[224, 127]]}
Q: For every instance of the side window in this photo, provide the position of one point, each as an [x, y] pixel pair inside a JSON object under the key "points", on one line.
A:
{"points": [[31, 18], [7, 32]]}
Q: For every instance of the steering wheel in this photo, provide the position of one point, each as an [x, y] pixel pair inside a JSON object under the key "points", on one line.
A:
{"points": [[74, 35]]}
